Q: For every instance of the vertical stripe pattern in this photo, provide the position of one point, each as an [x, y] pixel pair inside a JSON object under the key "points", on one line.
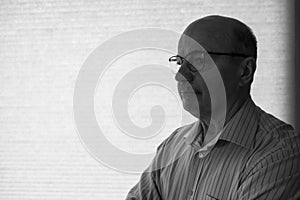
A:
{"points": [[257, 156]]}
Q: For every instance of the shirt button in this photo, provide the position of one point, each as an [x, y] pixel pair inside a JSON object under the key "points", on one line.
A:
{"points": [[190, 194]]}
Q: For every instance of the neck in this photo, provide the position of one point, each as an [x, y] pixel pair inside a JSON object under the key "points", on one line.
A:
{"points": [[235, 106], [232, 108]]}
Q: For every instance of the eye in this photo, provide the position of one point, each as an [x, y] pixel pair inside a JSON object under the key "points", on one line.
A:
{"points": [[198, 63], [192, 68]]}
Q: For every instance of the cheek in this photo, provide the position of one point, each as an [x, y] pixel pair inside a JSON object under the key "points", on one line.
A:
{"points": [[231, 79], [199, 85], [203, 94]]}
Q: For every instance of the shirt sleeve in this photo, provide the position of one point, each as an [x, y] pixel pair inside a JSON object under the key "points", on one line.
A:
{"points": [[275, 176], [148, 186], [145, 189]]}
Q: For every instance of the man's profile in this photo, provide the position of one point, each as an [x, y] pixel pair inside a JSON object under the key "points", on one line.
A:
{"points": [[252, 155]]}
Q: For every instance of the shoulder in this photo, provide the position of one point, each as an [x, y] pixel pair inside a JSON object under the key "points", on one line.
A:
{"points": [[276, 142], [173, 147], [176, 137], [275, 133]]}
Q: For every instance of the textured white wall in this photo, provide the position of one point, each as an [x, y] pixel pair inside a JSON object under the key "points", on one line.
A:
{"points": [[42, 47]]}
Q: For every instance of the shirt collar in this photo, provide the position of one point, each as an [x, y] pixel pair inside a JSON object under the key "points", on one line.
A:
{"points": [[239, 130], [242, 127], [192, 131]]}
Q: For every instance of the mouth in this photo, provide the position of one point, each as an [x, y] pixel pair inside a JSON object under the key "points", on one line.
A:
{"points": [[189, 93]]}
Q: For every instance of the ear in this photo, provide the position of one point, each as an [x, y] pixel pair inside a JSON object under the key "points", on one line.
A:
{"points": [[248, 67]]}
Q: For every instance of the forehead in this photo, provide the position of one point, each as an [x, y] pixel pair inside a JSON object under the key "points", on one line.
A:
{"points": [[190, 45], [206, 36]]}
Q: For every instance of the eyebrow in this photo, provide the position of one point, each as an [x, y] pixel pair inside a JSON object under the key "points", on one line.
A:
{"points": [[191, 53]]}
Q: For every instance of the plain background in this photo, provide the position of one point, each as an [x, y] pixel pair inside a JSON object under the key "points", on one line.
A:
{"points": [[42, 47]]}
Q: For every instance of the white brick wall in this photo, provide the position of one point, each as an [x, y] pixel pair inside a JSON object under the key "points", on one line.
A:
{"points": [[42, 47]]}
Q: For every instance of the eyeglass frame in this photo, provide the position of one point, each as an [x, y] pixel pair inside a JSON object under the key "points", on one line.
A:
{"points": [[193, 69]]}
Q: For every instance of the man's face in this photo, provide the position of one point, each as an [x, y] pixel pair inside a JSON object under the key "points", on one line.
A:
{"points": [[191, 86]]}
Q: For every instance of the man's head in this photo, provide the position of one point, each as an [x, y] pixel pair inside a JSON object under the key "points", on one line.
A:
{"points": [[231, 46]]}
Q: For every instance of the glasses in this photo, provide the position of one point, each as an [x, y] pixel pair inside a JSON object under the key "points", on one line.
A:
{"points": [[176, 62]]}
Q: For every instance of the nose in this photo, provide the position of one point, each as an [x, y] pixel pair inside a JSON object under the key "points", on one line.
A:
{"points": [[184, 74]]}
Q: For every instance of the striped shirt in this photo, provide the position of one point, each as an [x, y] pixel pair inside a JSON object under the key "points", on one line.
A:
{"points": [[256, 156]]}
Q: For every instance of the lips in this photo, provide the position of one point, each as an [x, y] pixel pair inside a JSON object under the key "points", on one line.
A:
{"points": [[189, 92], [184, 88]]}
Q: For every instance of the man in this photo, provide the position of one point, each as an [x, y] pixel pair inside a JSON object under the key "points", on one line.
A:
{"points": [[247, 155]]}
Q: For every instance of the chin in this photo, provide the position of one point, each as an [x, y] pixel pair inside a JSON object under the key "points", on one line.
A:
{"points": [[192, 109]]}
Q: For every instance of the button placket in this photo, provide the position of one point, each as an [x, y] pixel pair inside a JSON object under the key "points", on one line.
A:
{"points": [[198, 174], [190, 195], [201, 155]]}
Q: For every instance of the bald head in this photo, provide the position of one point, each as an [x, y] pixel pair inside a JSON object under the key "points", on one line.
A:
{"points": [[231, 47], [223, 34]]}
